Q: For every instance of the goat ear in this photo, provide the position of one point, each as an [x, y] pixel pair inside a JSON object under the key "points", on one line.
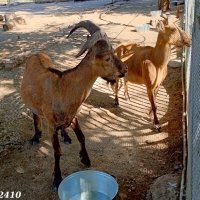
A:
{"points": [[166, 19], [160, 26]]}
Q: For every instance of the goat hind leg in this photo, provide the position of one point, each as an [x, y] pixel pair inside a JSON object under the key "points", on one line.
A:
{"points": [[153, 112], [38, 132], [116, 89], [155, 95], [57, 154], [126, 94], [65, 136], [81, 138]]}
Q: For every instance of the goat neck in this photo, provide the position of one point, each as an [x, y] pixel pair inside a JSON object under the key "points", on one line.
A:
{"points": [[83, 76], [161, 52]]}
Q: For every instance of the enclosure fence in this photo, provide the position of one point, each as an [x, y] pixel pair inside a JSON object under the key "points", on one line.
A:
{"points": [[29, 1], [192, 71]]}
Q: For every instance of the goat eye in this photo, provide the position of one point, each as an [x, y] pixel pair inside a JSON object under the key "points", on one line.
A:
{"points": [[107, 59]]}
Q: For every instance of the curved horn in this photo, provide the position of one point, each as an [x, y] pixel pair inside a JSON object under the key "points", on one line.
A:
{"points": [[99, 35], [88, 25], [95, 32]]}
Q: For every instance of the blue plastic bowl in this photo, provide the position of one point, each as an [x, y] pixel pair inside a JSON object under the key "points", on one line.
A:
{"points": [[88, 185]]}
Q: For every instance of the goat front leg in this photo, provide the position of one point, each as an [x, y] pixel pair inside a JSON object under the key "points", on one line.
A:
{"points": [[81, 138], [153, 111], [57, 153], [38, 132], [155, 95], [116, 90], [126, 94], [156, 91]]}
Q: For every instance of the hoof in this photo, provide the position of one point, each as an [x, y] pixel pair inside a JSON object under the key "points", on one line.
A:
{"points": [[34, 141], [157, 128], [67, 140], [116, 102], [36, 138], [86, 162], [127, 99], [56, 183], [85, 159], [65, 136]]}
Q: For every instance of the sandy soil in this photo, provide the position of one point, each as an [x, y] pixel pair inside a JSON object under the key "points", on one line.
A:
{"points": [[120, 140]]}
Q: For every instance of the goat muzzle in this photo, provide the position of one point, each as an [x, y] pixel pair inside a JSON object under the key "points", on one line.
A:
{"points": [[123, 72], [188, 42]]}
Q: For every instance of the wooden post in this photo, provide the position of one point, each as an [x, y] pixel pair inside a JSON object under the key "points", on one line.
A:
{"points": [[9, 25]]}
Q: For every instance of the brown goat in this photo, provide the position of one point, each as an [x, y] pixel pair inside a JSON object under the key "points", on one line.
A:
{"points": [[148, 65], [57, 96]]}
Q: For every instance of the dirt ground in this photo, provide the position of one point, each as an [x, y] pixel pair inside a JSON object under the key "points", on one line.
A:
{"points": [[120, 140]]}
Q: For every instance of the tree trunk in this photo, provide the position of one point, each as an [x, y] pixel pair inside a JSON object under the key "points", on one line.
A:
{"points": [[164, 5], [1, 18], [159, 5]]}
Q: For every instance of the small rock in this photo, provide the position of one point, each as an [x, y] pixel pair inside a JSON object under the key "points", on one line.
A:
{"points": [[20, 170], [174, 63], [148, 142], [164, 187], [177, 167], [9, 64], [133, 188]]}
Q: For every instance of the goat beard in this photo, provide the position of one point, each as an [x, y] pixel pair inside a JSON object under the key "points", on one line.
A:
{"points": [[110, 82]]}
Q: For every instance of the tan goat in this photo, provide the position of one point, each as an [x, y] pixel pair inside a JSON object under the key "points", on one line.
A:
{"points": [[148, 65], [57, 96]]}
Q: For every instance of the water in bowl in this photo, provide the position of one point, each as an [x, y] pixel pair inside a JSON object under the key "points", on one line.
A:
{"points": [[90, 196]]}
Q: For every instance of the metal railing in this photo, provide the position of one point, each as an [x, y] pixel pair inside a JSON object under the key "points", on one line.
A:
{"points": [[15, 1]]}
